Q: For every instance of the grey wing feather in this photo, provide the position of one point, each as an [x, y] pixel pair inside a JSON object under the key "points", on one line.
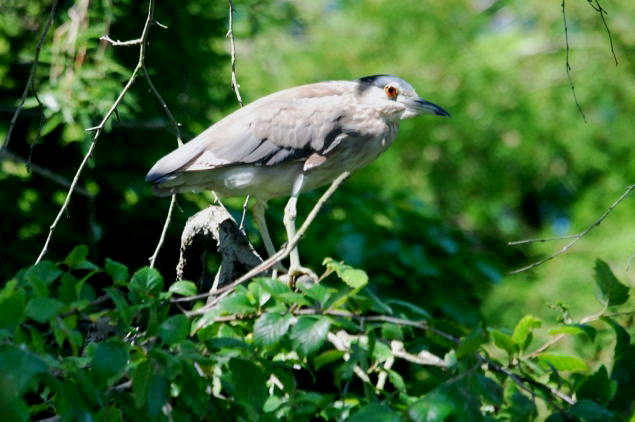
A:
{"points": [[285, 126]]}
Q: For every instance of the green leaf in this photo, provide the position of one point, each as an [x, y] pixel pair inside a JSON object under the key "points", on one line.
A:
{"points": [[237, 303], [273, 286], [43, 309], [109, 359], [174, 329], [375, 412], [490, 390], [270, 327], [610, 291], [18, 367], [503, 341], [146, 282], [141, 382], [44, 272], [596, 387], [563, 362], [471, 343], [121, 304], [77, 257], [249, 383], [183, 288], [117, 271], [433, 407], [522, 331], [354, 278], [396, 380], [327, 357], [588, 410], [309, 333], [414, 309], [623, 339], [12, 305], [576, 329]]}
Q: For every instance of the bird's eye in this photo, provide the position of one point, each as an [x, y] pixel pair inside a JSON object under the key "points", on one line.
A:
{"points": [[391, 91]]}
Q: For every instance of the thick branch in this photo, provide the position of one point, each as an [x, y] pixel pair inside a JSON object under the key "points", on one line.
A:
{"points": [[278, 256], [204, 231]]}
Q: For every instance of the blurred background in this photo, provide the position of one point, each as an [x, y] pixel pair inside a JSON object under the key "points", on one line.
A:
{"points": [[429, 220]]}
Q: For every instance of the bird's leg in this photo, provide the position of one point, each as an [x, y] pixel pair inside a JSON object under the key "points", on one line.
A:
{"points": [[290, 213], [261, 222]]}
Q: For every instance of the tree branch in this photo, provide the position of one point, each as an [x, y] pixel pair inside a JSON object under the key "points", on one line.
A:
{"points": [[230, 35], [99, 128], [574, 238], [567, 64], [29, 82], [275, 258]]}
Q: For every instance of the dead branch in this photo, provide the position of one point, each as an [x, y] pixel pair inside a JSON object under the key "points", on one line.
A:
{"points": [[275, 258], [214, 227]]}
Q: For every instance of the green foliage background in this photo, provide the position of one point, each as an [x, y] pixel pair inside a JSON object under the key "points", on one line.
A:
{"points": [[428, 222]]}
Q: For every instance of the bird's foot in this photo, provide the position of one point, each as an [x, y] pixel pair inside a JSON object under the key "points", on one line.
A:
{"points": [[298, 273]]}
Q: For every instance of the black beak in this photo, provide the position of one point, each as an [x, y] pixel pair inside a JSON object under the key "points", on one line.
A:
{"points": [[426, 107]]}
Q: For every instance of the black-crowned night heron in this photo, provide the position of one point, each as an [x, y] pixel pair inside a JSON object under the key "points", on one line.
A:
{"points": [[292, 141]]}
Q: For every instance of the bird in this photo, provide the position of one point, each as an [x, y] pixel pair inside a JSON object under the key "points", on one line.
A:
{"points": [[292, 141]]}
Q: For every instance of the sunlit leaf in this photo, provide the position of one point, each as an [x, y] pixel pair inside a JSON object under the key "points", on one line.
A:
{"points": [[522, 331], [563, 362], [309, 333], [183, 288], [610, 290], [270, 327]]}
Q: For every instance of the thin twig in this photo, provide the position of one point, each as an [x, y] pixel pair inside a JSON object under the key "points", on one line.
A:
{"points": [[244, 214], [177, 133], [44, 172], [29, 82], [99, 128], [230, 35], [580, 235], [540, 240], [118, 43], [567, 65], [166, 224], [603, 12], [273, 259]]}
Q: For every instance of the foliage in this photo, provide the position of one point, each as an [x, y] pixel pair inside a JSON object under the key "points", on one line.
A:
{"points": [[85, 342], [415, 318]]}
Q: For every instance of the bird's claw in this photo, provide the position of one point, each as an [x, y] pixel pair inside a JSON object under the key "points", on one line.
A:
{"points": [[298, 274]]}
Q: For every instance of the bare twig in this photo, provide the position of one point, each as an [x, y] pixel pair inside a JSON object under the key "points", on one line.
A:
{"points": [[99, 128], [602, 11], [574, 238], [118, 43], [177, 133], [275, 258], [44, 172], [29, 82], [230, 35], [567, 65], [166, 224]]}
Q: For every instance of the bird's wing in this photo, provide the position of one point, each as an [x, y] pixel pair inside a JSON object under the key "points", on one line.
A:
{"points": [[293, 124]]}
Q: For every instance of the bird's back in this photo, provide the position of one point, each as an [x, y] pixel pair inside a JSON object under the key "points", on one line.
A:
{"points": [[260, 148]]}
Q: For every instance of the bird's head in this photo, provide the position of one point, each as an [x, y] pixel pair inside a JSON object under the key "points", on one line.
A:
{"points": [[392, 88]]}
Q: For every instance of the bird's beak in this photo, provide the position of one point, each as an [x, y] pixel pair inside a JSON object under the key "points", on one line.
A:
{"points": [[421, 106]]}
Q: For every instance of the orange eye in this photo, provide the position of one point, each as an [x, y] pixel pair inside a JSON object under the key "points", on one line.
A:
{"points": [[391, 91]]}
